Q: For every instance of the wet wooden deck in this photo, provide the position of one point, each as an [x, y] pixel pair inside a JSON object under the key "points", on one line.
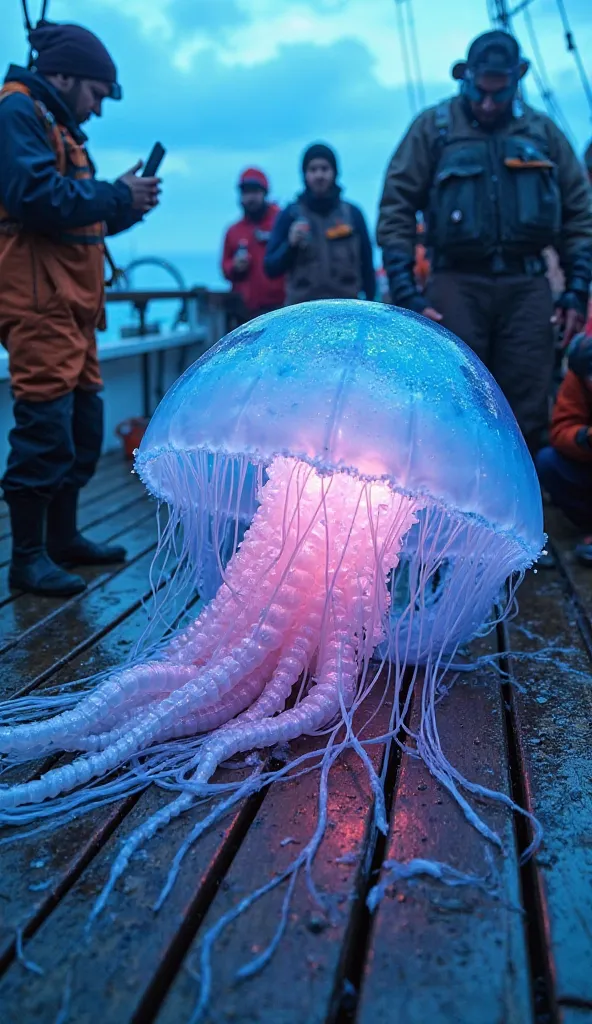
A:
{"points": [[430, 955]]}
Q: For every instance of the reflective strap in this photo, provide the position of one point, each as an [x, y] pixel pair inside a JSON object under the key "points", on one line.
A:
{"points": [[516, 162]]}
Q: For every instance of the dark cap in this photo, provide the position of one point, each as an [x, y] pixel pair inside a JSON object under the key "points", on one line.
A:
{"points": [[319, 151], [73, 50], [493, 53]]}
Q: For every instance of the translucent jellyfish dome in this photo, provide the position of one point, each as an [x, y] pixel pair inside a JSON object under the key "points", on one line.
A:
{"points": [[352, 386], [365, 389]]}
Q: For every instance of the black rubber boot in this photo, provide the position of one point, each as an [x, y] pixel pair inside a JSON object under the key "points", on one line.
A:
{"points": [[69, 547], [31, 568]]}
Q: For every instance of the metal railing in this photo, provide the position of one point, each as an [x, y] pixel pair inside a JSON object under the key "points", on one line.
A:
{"points": [[206, 315]]}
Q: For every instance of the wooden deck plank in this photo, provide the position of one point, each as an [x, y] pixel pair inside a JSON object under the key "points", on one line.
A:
{"points": [[564, 538], [111, 977], [555, 716], [41, 619], [303, 982], [77, 626], [54, 861], [42, 869], [440, 954]]}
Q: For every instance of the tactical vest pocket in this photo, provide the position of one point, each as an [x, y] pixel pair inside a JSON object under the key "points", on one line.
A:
{"points": [[531, 196], [343, 260], [457, 205]]}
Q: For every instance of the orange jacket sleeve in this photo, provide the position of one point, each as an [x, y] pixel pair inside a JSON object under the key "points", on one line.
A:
{"points": [[572, 416]]}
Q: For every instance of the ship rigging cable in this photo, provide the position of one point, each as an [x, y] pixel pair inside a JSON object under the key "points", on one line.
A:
{"points": [[501, 17], [409, 80], [573, 48], [410, 55], [28, 23], [415, 54], [541, 77]]}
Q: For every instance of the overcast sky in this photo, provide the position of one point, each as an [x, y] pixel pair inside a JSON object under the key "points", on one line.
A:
{"points": [[230, 83]]}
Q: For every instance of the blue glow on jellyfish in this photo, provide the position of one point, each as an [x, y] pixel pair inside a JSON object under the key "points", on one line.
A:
{"points": [[348, 479]]}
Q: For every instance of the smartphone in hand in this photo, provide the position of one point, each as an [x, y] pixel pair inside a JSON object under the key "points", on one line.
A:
{"points": [[154, 161]]}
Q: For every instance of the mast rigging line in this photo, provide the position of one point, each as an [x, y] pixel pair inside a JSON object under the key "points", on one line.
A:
{"points": [[28, 24], [405, 53], [573, 49], [541, 77], [415, 54], [501, 17]]}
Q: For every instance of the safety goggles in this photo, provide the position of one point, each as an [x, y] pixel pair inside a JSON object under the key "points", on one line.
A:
{"points": [[476, 94]]}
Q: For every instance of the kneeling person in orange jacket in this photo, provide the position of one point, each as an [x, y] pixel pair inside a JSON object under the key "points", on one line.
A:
{"points": [[54, 215], [565, 468]]}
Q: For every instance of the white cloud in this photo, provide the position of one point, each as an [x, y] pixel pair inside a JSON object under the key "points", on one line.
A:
{"points": [[152, 15], [444, 30]]}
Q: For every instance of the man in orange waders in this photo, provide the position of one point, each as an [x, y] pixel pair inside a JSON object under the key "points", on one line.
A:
{"points": [[54, 215]]}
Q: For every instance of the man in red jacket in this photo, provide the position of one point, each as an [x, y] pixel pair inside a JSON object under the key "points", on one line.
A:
{"points": [[244, 248], [565, 468]]}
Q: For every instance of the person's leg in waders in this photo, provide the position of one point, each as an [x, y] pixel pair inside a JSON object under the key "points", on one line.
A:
{"points": [[523, 352], [466, 304], [523, 358], [47, 358], [506, 320], [65, 544]]}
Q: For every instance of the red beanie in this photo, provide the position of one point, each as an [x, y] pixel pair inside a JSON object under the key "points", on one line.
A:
{"points": [[253, 176]]}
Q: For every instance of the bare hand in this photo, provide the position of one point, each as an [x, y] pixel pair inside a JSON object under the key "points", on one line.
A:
{"points": [[241, 262], [432, 314], [145, 191], [572, 322], [298, 233]]}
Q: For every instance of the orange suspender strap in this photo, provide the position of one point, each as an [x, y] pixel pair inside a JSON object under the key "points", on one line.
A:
{"points": [[49, 122], [65, 148]]}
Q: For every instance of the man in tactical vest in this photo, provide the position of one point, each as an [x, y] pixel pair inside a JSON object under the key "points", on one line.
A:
{"points": [[54, 215], [498, 183], [321, 242]]}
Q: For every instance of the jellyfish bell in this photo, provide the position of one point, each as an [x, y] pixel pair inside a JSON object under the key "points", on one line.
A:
{"points": [[378, 394], [347, 478]]}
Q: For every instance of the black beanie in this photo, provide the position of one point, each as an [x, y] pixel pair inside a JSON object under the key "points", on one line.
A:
{"points": [[319, 152], [73, 50]]}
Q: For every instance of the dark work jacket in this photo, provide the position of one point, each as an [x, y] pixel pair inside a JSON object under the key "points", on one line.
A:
{"points": [[492, 198], [31, 189], [337, 261], [53, 219]]}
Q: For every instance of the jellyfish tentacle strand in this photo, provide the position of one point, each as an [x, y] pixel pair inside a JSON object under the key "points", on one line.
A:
{"points": [[308, 584]]}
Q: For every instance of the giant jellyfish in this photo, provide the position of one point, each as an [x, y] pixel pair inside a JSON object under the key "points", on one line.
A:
{"points": [[348, 481]]}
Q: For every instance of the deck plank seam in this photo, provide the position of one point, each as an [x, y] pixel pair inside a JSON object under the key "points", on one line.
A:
{"points": [[173, 960], [349, 976], [84, 645], [94, 844], [572, 591], [534, 901]]}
